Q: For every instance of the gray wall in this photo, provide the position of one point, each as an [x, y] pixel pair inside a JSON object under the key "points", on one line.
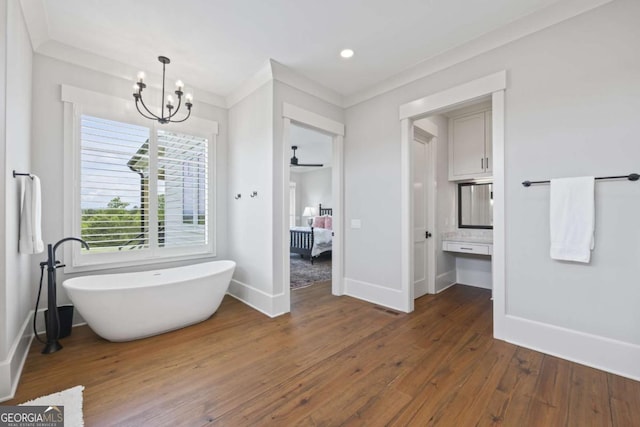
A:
{"points": [[16, 287], [313, 188], [445, 204], [250, 169], [572, 102]]}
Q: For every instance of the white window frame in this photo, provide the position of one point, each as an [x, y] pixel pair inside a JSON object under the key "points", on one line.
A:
{"points": [[80, 101], [292, 204]]}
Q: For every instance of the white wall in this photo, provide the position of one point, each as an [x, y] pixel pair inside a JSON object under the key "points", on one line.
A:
{"points": [[48, 150], [256, 162], [250, 161], [571, 109], [16, 288], [4, 178], [445, 205], [314, 187]]}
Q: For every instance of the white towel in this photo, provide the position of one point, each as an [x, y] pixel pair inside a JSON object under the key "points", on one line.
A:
{"points": [[572, 218], [31, 218]]}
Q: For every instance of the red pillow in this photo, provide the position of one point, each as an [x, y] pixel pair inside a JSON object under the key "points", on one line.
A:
{"points": [[318, 222]]}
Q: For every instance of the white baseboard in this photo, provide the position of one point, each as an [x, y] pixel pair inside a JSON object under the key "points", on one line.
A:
{"points": [[376, 294], [445, 280], [269, 305], [11, 367], [281, 305], [475, 285], [598, 352]]}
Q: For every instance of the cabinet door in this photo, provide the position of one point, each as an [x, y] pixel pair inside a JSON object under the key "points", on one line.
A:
{"points": [[468, 151], [488, 145]]}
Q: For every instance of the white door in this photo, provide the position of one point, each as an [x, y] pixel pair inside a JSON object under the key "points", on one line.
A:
{"points": [[420, 161]]}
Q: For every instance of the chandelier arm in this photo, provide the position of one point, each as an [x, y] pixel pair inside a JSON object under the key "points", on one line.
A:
{"points": [[144, 115], [147, 110], [176, 110], [180, 121]]}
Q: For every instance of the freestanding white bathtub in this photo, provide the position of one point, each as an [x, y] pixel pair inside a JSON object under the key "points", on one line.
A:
{"points": [[128, 306]]}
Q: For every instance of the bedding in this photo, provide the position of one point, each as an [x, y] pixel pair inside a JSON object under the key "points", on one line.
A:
{"points": [[315, 240], [322, 239]]}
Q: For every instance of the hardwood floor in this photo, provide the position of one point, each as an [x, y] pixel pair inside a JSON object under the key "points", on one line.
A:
{"points": [[332, 361]]}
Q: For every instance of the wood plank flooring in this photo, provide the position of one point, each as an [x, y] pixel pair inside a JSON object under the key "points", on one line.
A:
{"points": [[332, 361]]}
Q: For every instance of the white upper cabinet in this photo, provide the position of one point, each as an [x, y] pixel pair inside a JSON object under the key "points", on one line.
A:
{"points": [[470, 148]]}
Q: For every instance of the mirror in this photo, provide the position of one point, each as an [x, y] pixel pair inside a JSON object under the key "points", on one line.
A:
{"points": [[475, 205]]}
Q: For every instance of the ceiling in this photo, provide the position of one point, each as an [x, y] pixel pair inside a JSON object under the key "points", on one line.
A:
{"points": [[313, 147], [216, 45]]}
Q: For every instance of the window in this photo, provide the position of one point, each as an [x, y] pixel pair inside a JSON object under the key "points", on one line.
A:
{"points": [[137, 191], [292, 204], [114, 186], [182, 172], [117, 180]]}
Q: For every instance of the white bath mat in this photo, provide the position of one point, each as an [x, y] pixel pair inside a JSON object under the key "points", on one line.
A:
{"points": [[70, 398]]}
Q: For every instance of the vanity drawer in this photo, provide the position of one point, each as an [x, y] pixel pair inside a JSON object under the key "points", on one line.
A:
{"points": [[468, 248]]}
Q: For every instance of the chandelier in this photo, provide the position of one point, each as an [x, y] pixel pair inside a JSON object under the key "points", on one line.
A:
{"points": [[170, 108]]}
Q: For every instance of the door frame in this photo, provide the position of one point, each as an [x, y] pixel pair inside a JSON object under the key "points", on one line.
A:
{"points": [[431, 134], [493, 85], [294, 114]]}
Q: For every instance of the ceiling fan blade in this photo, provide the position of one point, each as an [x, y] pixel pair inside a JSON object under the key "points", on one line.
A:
{"points": [[294, 161]]}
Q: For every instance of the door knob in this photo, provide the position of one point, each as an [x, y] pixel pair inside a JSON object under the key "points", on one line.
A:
{"points": [[427, 234]]}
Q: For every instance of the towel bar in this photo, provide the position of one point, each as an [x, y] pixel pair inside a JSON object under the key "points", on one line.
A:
{"points": [[630, 177], [15, 174]]}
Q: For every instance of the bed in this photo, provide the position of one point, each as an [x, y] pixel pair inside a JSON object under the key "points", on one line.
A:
{"points": [[311, 241]]}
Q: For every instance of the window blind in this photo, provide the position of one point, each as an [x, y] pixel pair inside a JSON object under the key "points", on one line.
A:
{"points": [[183, 188], [114, 185]]}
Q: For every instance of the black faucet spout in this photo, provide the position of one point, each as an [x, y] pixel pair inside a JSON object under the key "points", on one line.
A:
{"points": [[66, 239]]}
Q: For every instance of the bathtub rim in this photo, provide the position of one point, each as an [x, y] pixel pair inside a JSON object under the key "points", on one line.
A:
{"points": [[80, 283]]}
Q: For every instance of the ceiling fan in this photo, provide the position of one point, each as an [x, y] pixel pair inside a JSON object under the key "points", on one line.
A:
{"points": [[294, 160]]}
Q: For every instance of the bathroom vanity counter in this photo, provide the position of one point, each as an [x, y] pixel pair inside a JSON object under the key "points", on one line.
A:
{"points": [[476, 246], [478, 242], [472, 259]]}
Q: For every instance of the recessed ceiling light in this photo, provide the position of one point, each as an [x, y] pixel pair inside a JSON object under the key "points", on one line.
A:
{"points": [[346, 53]]}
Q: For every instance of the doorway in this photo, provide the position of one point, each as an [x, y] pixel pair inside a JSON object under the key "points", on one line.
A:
{"points": [[493, 86], [310, 207], [296, 116], [424, 200]]}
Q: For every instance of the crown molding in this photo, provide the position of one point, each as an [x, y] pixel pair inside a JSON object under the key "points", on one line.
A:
{"points": [[517, 29], [262, 76], [35, 17], [37, 24], [91, 61], [289, 77], [273, 70]]}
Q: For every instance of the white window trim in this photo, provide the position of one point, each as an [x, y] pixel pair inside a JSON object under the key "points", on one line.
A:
{"points": [[292, 202], [78, 101]]}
